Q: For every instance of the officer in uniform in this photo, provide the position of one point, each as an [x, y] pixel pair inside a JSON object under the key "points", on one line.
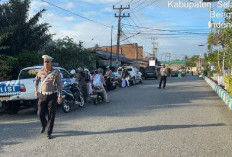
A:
{"points": [[108, 77], [49, 94], [164, 74]]}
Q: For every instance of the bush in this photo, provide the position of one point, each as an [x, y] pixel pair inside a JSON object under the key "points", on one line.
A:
{"points": [[210, 74], [228, 83]]}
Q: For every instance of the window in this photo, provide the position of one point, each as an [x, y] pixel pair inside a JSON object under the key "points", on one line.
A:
{"points": [[30, 73], [64, 73]]}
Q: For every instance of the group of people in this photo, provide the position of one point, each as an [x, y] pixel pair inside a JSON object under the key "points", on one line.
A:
{"points": [[49, 94], [86, 79]]}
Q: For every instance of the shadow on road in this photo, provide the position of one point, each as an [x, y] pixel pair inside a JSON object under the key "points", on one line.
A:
{"points": [[138, 129]]}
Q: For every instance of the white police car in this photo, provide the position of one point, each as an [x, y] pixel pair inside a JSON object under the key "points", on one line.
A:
{"points": [[14, 94]]}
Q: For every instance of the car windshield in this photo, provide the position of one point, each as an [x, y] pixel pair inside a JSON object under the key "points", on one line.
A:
{"points": [[29, 73], [149, 69]]}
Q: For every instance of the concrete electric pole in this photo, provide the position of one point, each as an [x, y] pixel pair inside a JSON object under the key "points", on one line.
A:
{"points": [[155, 49], [119, 30]]}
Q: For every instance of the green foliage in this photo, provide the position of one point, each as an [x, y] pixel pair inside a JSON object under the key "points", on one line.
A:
{"points": [[27, 58], [191, 61], [228, 83], [17, 31], [69, 54], [7, 66]]}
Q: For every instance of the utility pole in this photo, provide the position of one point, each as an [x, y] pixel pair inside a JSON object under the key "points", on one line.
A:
{"points": [[167, 55], [155, 49], [111, 47], [119, 30]]}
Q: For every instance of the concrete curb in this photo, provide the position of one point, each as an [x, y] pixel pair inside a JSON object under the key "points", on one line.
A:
{"points": [[225, 96]]}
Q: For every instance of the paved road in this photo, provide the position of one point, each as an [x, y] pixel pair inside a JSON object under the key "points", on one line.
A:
{"points": [[185, 119]]}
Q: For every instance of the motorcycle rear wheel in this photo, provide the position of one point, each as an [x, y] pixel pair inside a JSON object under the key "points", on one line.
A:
{"points": [[82, 101], [65, 106], [95, 101]]}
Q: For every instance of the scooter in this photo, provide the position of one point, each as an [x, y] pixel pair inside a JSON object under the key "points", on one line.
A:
{"points": [[111, 84], [72, 97], [96, 96]]}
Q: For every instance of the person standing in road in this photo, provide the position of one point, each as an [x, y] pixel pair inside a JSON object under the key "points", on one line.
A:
{"points": [[80, 77], [164, 74], [99, 81], [127, 77], [49, 94], [108, 77], [122, 77], [88, 82]]}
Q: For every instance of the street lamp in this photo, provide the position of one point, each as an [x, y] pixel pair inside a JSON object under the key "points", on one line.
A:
{"points": [[210, 24]]}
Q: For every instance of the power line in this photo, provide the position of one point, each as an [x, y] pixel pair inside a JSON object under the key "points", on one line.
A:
{"points": [[138, 5], [76, 14], [157, 29], [145, 6]]}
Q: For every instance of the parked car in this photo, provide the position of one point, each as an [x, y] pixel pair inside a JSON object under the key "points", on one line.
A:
{"points": [[21, 92], [150, 72], [174, 73], [136, 75]]}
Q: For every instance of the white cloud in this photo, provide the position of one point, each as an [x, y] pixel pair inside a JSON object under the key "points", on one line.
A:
{"points": [[89, 13], [100, 1], [69, 18], [36, 6], [70, 5], [108, 9]]}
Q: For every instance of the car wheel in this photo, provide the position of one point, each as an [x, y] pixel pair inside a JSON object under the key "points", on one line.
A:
{"points": [[133, 81], [12, 107], [35, 104]]}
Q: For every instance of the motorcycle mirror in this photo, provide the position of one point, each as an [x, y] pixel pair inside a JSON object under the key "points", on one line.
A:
{"points": [[66, 84], [72, 71]]}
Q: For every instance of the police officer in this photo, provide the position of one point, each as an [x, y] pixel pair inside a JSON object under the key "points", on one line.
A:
{"points": [[49, 94], [164, 74], [108, 77]]}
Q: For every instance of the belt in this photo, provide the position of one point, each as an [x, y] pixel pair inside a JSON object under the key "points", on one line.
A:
{"points": [[47, 93]]}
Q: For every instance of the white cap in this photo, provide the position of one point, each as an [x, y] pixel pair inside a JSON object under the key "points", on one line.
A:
{"points": [[47, 58], [108, 67]]}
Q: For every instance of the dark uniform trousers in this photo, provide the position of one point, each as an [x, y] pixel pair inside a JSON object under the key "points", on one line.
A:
{"points": [[163, 78], [47, 104]]}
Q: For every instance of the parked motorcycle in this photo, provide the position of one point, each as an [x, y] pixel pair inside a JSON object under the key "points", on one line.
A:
{"points": [[111, 83], [96, 96], [72, 97]]}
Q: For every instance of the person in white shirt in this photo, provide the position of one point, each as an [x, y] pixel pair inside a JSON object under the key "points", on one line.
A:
{"points": [[164, 74], [99, 81]]}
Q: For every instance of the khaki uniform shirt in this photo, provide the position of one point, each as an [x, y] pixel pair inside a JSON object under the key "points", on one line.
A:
{"points": [[163, 72], [52, 84]]}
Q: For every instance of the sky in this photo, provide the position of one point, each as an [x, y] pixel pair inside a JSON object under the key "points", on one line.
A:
{"points": [[178, 30]]}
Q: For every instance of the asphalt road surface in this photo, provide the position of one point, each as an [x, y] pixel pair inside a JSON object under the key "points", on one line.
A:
{"points": [[185, 119]]}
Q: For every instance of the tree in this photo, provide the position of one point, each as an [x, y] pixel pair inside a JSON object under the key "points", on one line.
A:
{"points": [[70, 55], [17, 31], [191, 62], [7, 66]]}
